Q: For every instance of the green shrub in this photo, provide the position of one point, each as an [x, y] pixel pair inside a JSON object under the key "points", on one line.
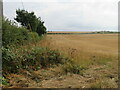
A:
{"points": [[14, 35], [34, 58], [9, 63], [3, 81], [33, 36], [14, 59], [50, 57]]}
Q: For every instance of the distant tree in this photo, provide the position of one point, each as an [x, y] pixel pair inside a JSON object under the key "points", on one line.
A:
{"points": [[30, 21]]}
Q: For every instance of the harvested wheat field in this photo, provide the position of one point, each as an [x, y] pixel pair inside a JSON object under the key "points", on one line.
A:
{"points": [[98, 43], [98, 53]]}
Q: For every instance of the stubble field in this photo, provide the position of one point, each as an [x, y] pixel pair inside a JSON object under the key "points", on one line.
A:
{"points": [[97, 52], [85, 46]]}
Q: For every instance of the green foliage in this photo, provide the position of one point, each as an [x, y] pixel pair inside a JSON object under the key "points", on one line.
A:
{"points": [[30, 21], [12, 34], [14, 59], [41, 29], [35, 58], [50, 57], [34, 37], [8, 60], [4, 81]]}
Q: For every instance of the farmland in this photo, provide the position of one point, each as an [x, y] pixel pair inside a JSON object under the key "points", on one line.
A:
{"points": [[59, 44], [97, 52], [94, 63], [104, 43]]}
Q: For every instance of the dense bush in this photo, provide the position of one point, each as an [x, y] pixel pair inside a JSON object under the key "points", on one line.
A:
{"points": [[12, 37], [34, 59], [14, 59], [33, 37], [12, 34]]}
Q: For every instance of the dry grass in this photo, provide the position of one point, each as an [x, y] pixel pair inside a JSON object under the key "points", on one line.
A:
{"points": [[105, 43], [97, 52], [84, 48]]}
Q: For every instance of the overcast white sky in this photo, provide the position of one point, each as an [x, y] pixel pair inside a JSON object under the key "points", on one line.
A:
{"points": [[70, 15]]}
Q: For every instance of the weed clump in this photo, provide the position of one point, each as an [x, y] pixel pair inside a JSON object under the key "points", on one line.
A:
{"points": [[73, 68]]}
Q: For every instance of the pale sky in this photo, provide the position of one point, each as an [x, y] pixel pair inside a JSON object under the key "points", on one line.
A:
{"points": [[70, 15]]}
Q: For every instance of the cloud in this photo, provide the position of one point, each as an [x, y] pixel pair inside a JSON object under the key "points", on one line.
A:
{"points": [[71, 14]]}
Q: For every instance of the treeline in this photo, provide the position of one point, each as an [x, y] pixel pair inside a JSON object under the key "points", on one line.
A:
{"points": [[106, 32]]}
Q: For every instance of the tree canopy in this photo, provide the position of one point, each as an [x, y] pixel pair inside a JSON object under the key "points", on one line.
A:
{"points": [[30, 21]]}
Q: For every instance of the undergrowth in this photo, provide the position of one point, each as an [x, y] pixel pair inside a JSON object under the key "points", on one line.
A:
{"points": [[71, 67], [34, 58]]}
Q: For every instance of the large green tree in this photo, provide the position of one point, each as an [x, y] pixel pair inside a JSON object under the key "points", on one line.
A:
{"points": [[30, 21], [41, 29]]}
